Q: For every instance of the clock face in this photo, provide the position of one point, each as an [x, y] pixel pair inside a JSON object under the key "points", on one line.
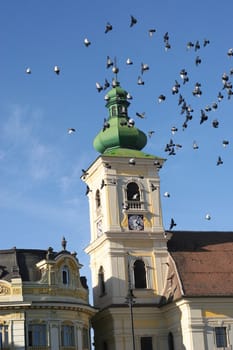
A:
{"points": [[99, 228], [135, 222]]}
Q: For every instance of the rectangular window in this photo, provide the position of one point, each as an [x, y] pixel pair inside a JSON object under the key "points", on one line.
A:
{"points": [[85, 338], [67, 335], [37, 335], [3, 336], [146, 343], [221, 337]]}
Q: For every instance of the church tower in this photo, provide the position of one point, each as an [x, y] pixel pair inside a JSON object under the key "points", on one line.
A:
{"points": [[128, 245]]}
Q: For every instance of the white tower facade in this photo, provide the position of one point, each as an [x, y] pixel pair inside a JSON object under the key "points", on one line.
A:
{"points": [[128, 250]]}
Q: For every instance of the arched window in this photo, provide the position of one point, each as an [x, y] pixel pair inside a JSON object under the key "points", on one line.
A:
{"points": [[139, 274], [122, 110], [170, 341], [114, 111], [101, 281], [65, 275], [133, 193], [97, 199]]}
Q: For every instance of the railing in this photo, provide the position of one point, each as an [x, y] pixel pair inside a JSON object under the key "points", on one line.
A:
{"points": [[134, 204]]}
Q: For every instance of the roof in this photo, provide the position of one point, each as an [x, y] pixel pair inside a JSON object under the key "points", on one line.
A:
{"points": [[202, 264], [22, 263]]}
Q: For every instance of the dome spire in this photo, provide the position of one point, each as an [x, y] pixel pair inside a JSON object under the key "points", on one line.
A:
{"points": [[121, 131]]}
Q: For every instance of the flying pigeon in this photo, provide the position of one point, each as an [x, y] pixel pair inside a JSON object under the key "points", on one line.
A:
{"points": [[219, 161], [129, 61], [28, 70], [87, 190], [225, 78], [108, 28], [195, 145], [150, 133], [133, 21], [181, 99], [71, 131], [215, 123], [166, 37], [131, 123], [151, 32], [144, 67], [190, 45], [206, 42], [109, 62], [204, 117], [225, 143], [106, 84], [175, 88], [153, 187], [230, 52], [184, 76], [166, 194], [172, 224], [167, 46], [140, 115], [208, 108], [161, 98], [197, 91], [197, 61], [87, 42], [98, 87], [197, 45], [174, 130], [56, 70], [220, 96], [140, 81]]}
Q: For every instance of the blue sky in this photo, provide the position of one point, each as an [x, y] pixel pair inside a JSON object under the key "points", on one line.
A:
{"points": [[41, 195]]}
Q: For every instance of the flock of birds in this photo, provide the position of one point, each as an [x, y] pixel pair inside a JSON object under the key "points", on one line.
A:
{"points": [[225, 91], [185, 108]]}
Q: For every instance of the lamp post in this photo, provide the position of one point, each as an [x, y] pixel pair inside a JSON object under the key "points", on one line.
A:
{"points": [[130, 299]]}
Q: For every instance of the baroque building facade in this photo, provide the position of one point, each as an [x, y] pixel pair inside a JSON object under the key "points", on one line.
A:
{"points": [[43, 301], [154, 289]]}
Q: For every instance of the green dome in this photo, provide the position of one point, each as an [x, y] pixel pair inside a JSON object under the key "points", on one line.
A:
{"points": [[118, 135], [119, 130]]}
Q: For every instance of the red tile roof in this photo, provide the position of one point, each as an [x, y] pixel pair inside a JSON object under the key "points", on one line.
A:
{"points": [[203, 262]]}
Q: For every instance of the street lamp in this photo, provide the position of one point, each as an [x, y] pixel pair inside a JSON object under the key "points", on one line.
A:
{"points": [[130, 299]]}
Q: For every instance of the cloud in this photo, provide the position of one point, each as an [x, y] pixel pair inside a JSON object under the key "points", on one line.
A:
{"points": [[22, 145]]}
